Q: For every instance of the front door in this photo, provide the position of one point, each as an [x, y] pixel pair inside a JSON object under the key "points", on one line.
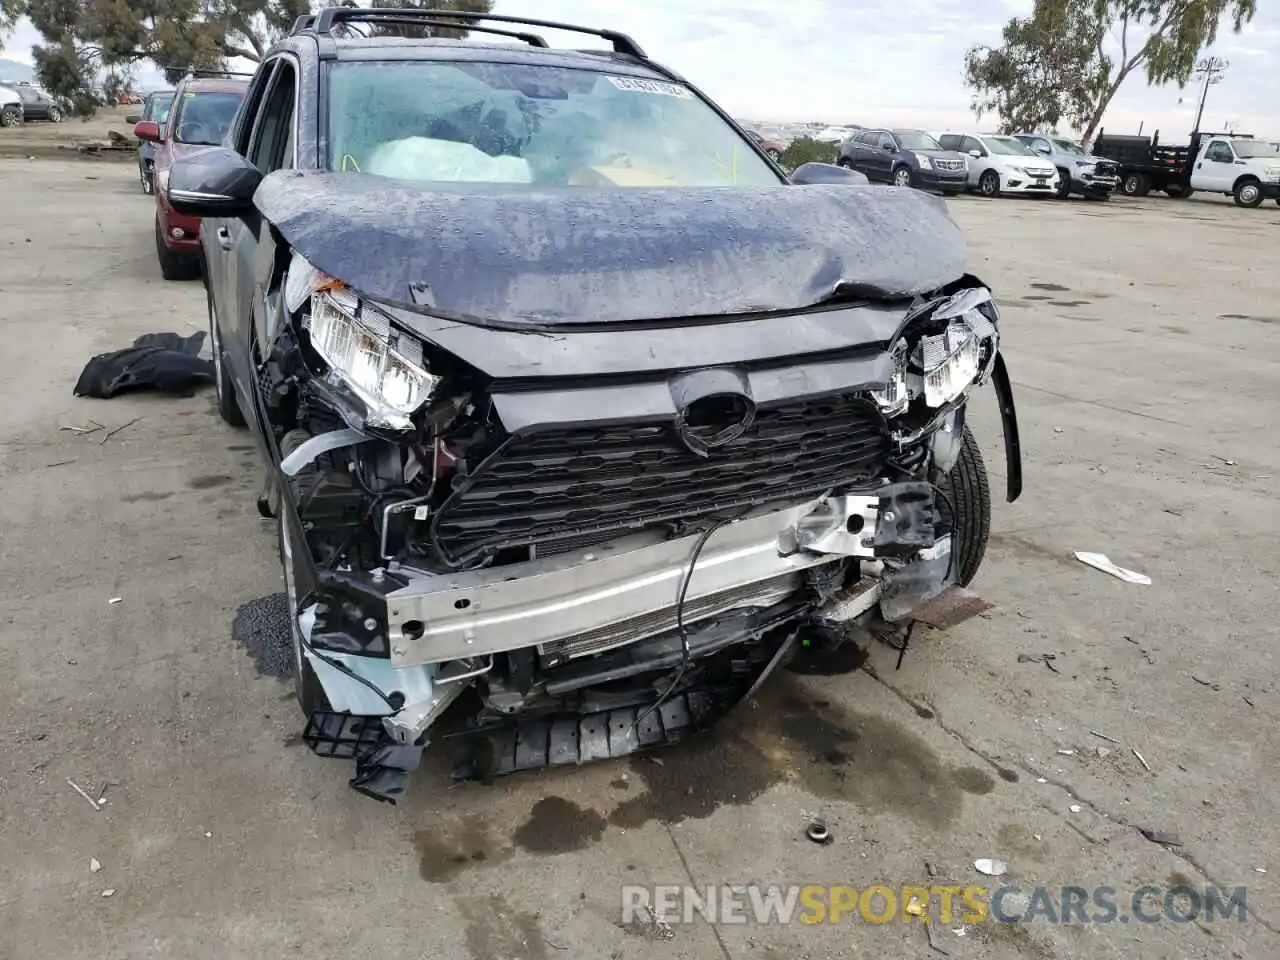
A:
{"points": [[1216, 169]]}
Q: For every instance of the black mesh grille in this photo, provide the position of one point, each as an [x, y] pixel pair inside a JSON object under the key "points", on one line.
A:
{"points": [[565, 483]]}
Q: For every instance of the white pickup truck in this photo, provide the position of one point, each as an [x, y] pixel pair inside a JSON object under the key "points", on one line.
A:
{"points": [[1246, 169], [1239, 166]]}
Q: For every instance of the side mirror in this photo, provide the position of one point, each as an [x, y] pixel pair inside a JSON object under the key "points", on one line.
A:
{"points": [[133, 118], [976, 154], [1043, 150], [815, 173], [147, 130], [213, 183]]}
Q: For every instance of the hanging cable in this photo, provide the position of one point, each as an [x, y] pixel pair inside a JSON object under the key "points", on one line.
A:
{"points": [[686, 654]]}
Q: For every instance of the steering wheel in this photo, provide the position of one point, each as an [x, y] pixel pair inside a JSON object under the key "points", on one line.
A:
{"points": [[195, 132]]}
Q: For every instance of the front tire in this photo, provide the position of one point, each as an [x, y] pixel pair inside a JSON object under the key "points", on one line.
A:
{"points": [[969, 494], [1064, 184], [174, 266], [55, 115], [989, 184], [146, 175], [228, 406], [9, 119], [1248, 193], [902, 177]]}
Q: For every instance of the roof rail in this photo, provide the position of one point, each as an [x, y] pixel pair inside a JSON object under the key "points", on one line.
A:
{"points": [[532, 39], [327, 18], [198, 73], [302, 23]]}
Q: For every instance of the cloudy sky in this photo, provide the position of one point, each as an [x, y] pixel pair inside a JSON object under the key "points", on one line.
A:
{"points": [[877, 61]]}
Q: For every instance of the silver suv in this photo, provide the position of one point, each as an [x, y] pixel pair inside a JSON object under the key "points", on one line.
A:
{"points": [[1078, 170]]}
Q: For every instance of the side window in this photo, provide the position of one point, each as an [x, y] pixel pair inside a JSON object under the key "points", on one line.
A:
{"points": [[970, 144], [1220, 152], [251, 107], [271, 147], [888, 143], [949, 141]]}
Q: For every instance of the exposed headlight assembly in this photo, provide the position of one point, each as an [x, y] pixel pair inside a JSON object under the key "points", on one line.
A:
{"points": [[895, 397], [925, 163], [962, 354], [379, 363]]}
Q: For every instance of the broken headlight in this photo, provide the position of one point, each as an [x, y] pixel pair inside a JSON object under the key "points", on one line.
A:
{"points": [[895, 397], [380, 364], [960, 355]]}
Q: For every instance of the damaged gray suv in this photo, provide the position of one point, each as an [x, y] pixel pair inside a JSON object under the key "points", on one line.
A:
{"points": [[580, 415]]}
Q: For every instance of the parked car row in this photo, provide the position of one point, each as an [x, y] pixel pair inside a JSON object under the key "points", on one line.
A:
{"points": [[24, 103], [173, 124], [987, 163], [1242, 167]]}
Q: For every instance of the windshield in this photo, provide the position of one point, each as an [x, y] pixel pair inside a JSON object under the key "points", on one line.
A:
{"points": [[1068, 146], [1008, 147], [158, 107], [512, 124], [205, 117], [917, 141], [1249, 149]]}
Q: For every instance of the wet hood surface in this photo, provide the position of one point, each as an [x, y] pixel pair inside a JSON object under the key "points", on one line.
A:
{"points": [[585, 255]]}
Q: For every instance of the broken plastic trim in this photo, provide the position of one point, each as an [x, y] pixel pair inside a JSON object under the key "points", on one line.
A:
{"points": [[1009, 427]]}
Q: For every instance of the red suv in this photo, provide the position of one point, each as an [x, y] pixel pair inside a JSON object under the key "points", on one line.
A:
{"points": [[203, 107]]}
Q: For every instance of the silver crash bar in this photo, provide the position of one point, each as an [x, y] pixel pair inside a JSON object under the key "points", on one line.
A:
{"points": [[631, 582]]}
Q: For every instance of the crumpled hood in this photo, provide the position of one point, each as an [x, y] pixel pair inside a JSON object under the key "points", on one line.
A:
{"points": [[586, 255]]}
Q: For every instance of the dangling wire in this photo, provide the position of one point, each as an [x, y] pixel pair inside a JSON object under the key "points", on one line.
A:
{"points": [[686, 655]]}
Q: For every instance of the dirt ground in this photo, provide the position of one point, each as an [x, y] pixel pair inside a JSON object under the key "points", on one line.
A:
{"points": [[1142, 337], [59, 140]]}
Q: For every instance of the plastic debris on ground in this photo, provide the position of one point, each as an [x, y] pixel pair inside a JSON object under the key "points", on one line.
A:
{"points": [[991, 868], [157, 361], [1100, 561], [94, 865]]}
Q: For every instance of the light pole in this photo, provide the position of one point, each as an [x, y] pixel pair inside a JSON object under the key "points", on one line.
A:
{"points": [[1210, 71]]}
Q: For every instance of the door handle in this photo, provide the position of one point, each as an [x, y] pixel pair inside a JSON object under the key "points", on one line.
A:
{"points": [[224, 238]]}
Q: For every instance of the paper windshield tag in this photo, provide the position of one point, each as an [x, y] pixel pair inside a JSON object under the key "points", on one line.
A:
{"points": [[637, 85]]}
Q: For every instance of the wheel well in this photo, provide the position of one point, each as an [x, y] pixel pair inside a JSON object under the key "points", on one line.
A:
{"points": [[1243, 179]]}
